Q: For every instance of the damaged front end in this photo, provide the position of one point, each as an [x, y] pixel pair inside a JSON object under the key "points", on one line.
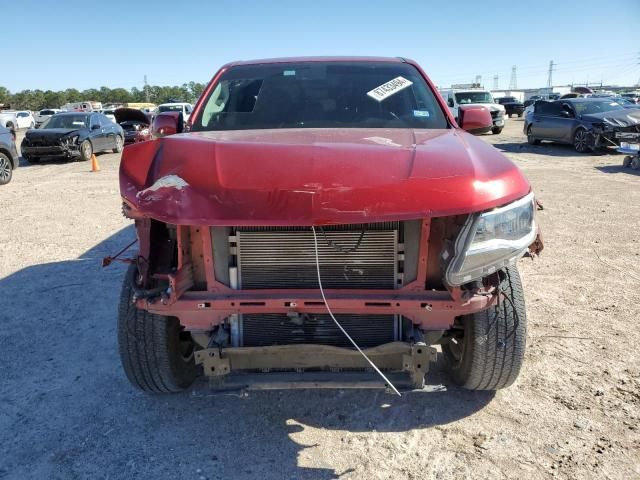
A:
{"points": [[247, 290], [608, 129]]}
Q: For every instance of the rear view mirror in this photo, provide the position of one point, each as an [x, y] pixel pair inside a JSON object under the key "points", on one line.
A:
{"points": [[167, 123], [566, 114], [450, 102], [475, 119]]}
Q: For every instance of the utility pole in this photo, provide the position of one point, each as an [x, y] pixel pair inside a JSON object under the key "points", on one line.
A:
{"points": [[146, 89], [495, 82], [479, 80], [513, 83], [550, 75]]}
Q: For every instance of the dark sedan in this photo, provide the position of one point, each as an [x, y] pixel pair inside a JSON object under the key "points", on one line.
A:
{"points": [[511, 105], [73, 136], [586, 123], [8, 155]]}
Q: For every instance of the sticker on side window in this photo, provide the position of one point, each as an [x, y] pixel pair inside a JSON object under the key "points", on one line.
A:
{"points": [[390, 88]]}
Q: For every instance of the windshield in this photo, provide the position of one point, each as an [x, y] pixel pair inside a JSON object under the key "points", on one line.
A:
{"points": [[47, 112], [508, 100], [170, 108], [67, 121], [586, 108], [321, 95], [473, 97]]}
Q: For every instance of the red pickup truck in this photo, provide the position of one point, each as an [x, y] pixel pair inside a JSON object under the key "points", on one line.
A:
{"points": [[321, 221]]}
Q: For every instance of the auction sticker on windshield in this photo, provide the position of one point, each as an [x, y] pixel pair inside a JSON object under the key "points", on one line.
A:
{"points": [[390, 88]]}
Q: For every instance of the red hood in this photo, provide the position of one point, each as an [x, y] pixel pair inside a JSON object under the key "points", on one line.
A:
{"points": [[315, 176]]}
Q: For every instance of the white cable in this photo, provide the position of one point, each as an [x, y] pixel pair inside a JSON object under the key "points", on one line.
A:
{"points": [[315, 241]]}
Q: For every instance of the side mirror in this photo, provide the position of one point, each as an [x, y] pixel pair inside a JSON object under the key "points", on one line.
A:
{"points": [[12, 131], [167, 123], [566, 114], [475, 119], [450, 102], [95, 126]]}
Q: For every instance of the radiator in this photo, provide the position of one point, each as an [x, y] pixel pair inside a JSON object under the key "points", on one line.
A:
{"points": [[351, 257]]}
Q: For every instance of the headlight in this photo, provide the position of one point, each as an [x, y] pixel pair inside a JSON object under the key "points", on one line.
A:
{"points": [[492, 240]]}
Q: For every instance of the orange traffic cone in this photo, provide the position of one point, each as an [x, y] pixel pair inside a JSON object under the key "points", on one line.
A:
{"points": [[95, 166]]}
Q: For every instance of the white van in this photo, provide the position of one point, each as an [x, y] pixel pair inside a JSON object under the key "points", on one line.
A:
{"points": [[475, 96]]}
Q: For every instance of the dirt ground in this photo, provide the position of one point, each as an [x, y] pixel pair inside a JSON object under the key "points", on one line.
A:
{"points": [[67, 411]]}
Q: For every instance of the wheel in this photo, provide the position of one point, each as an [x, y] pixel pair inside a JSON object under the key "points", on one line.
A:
{"points": [[156, 353], [118, 144], [487, 348], [635, 163], [31, 159], [6, 169], [530, 139], [581, 140], [496, 130], [86, 150], [626, 163], [32, 125], [519, 115], [10, 126]]}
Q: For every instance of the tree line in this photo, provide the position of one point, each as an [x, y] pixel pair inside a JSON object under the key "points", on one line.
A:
{"points": [[39, 99]]}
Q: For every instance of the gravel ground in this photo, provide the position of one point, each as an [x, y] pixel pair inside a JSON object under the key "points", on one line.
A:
{"points": [[67, 411]]}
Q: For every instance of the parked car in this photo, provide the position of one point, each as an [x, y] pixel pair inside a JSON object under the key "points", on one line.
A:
{"points": [[25, 119], [134, 123], [631, 96], [625, 103], [8, 120], [184, 108], [586, 123], [72, 136], [457, 97], [44, 115], [511, 105], [8, 155], [314, 197]]}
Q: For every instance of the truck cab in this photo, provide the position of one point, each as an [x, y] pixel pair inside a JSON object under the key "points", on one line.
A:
{"points": [[475, 96]]}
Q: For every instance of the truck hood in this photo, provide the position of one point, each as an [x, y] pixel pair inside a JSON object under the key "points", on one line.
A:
{"points": [[315, 176], [49, 133], [615, 118]]}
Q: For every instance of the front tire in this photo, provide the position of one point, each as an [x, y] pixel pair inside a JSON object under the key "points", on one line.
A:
{"points": [[118, 144], [6, 169], [496, 130], [581, 140], [486, 350], [156, 353], [86, 150]]}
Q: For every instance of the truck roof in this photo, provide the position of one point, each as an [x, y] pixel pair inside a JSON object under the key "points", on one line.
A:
{"points": [[317, 59]]}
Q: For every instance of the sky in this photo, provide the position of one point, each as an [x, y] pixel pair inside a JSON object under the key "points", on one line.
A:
{"points": [[115, 43]]}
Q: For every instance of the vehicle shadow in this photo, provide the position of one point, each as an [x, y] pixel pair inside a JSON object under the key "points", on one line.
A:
{"points": [[67, 410], [618, 169], [547, 149]]}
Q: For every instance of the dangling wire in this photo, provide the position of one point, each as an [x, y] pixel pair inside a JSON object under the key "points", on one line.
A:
{"points": [[315, 241]]}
